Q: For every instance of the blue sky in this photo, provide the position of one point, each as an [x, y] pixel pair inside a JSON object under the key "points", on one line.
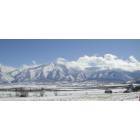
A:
{"points": [[18, 52]]}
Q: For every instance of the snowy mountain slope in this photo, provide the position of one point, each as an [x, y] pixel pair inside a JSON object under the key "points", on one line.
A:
{"points": [[110, 75], [51, 72], [5, 74], [6, 69], [5, 78], [135, 74], [57, 72]]}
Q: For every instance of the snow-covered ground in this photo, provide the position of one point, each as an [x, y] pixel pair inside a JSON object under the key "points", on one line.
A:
{"points": [[80, 97], [68, 93]]}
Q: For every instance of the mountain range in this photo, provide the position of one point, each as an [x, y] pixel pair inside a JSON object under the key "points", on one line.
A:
{"points": [[74, 71]]}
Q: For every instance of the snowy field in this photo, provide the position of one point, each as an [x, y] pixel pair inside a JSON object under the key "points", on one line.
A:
{"points": [[64, 92], [79, 97]]}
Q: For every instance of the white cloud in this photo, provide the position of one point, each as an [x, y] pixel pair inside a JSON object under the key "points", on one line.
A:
{"points": [[133, 59], [108, 61], [25, 66], [34, 62]]}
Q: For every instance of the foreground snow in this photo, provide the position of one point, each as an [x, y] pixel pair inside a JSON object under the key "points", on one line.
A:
{"points": [[71, 94], [96, 97]]}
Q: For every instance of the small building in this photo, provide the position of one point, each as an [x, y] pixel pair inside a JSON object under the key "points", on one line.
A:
{"points": [[108, 90]]}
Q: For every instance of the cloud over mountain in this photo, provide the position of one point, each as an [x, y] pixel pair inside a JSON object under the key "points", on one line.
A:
{"points": [[108, 61]]}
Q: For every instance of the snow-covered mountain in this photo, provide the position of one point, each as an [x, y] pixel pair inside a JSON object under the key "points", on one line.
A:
{"points": [[4, 78], [58, 72], [45, 73], [108, 68], [6, 69], [111, 76], [5, 74]]}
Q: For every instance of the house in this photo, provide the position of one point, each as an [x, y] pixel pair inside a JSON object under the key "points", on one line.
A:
{"points": [[108, 90]]}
